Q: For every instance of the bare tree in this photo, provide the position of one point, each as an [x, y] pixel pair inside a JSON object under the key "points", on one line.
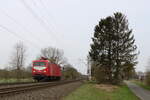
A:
{"points": [[54, 54], [18, 58]]}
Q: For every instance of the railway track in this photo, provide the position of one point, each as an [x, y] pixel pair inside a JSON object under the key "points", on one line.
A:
{"points": [[30, 87]]}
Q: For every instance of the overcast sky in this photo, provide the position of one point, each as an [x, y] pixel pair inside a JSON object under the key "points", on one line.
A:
{"points": [[68, 25]]}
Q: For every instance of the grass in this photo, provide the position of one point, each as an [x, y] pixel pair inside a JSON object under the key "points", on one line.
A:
{"points": [[142, 84], [15, 80], [90, 92]]}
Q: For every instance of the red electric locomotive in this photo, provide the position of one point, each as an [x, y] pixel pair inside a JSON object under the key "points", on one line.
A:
{"points": [[44, 69]]}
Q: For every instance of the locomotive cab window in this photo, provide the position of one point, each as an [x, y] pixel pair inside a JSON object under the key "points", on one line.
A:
{"points": [[39, 64]]}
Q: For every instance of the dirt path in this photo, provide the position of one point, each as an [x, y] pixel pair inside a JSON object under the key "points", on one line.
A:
{"points": [[139, 91]]}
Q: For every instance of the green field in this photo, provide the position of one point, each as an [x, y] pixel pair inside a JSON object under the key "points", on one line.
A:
{"points": [[15, 80], [90, 92]]}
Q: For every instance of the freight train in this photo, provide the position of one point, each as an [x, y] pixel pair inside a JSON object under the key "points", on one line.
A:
{"points": [[44, 70]]}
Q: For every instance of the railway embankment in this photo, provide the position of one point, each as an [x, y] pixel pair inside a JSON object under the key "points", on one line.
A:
{"points": [[49, 93]]}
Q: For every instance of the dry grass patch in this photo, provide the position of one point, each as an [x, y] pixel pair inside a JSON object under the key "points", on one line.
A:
{"points": [[106, 87]]}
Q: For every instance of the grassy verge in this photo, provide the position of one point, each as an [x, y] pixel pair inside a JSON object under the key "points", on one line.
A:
{"points": [[90, 92], [142, 84], [15, 80]]}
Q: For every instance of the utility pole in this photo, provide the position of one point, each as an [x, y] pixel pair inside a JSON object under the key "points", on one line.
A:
{"points": [[88, 68], [87, 62]]}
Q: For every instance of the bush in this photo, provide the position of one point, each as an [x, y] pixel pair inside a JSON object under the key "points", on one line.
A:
{"points": [[100, 75]]}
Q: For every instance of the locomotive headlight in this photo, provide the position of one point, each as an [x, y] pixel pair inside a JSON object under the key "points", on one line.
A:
{"points": [[34, 71], [44, 71], [39, 67]]}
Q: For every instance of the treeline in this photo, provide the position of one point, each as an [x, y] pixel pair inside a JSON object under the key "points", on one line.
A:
{"points": [[69, 72], [13, 74], [113, 51], [16, 68], [145, 76]]}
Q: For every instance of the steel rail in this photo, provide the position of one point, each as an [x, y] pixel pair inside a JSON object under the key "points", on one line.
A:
{"points": [[30, 87]]}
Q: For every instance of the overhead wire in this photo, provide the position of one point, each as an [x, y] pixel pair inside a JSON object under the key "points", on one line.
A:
{"points": [[49, 25], [38, 18], [47, 12], [18, 36], [45, 20], [19, 24]]}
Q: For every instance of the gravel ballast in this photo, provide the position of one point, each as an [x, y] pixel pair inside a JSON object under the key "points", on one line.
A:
{"points": [[50, 93]]}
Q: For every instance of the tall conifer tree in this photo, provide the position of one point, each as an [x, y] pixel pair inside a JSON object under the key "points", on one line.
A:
{"points": [[113, 47]]}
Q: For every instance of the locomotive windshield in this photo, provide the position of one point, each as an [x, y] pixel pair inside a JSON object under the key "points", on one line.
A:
{"points": [[39, 63]]}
